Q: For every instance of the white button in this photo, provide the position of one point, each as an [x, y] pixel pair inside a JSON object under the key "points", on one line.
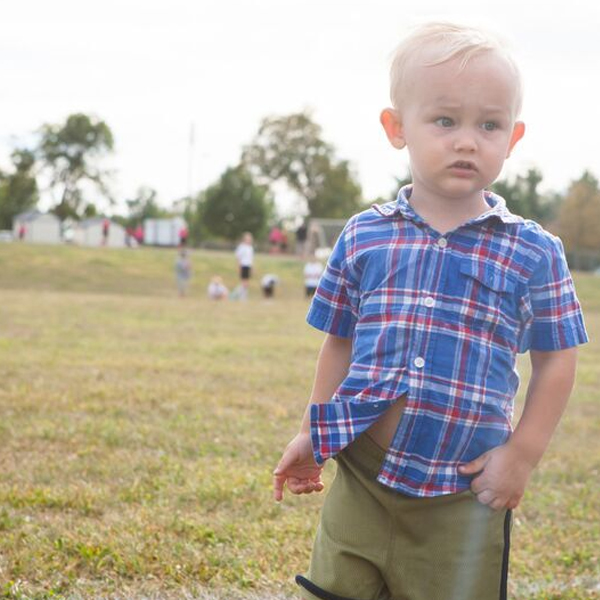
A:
{"points": [[429, 301], [442, 242], [419, 362]]}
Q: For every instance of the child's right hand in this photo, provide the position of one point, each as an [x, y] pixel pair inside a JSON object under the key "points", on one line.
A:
{"points": [[298, 468]]}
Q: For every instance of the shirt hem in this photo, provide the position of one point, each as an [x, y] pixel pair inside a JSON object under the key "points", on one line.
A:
{"points": [[429, 491], [577, 338]]}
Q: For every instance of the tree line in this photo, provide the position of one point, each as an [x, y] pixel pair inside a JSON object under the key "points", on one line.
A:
{"points": [[287, 152]]}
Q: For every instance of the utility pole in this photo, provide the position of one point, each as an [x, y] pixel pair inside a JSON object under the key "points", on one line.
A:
{"points": [[191, 160]]}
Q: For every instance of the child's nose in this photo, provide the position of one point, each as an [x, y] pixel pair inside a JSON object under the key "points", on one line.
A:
{"points": [[465, 142]]}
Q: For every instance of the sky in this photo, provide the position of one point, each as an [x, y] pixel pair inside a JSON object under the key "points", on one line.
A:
{"points": [[152, 70]]}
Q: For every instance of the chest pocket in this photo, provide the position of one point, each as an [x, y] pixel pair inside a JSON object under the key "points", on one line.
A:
{"points": [[489, 296]]}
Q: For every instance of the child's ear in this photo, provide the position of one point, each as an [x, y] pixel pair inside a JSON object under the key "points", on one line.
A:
{"points": [[517, 134], [392, 124]]}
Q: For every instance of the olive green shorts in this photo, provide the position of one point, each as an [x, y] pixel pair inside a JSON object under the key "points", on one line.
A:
{"points": [[376, 544]]}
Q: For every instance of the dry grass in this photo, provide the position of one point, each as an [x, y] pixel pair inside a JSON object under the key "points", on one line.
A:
{"points": [[138, 432]]}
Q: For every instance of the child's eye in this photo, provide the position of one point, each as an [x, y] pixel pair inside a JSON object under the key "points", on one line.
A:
{"points": [[490, 126], [444, 122]]}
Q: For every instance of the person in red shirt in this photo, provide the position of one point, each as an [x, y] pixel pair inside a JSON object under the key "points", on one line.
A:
{"points": [[183, 236], [275, 238], [105, 231]]}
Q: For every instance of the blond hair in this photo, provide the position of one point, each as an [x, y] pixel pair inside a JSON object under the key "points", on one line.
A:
{"points": [[439, 42]]}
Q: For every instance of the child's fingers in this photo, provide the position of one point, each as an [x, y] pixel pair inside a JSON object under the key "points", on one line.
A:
{"points": [[498, 504], [301, 486], [486, 497], [475, 466], [318, 485], [513, 503], [287, 460], [479, 484], [298, 486], [295, 485], [278, 483]]}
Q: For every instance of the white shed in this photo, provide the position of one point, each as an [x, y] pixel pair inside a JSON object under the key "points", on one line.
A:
{"points": [[163, 232], [37, 228], [90, 232]]}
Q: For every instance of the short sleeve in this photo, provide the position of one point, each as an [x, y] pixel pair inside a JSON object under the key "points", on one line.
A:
{"points": [[334, 307], [557, 318]]}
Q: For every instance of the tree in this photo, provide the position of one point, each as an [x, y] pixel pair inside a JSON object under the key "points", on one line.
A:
{"points": [[579, 216], [144, 206], [71, 153], [193, 215], [522, 196], [236, 204], [338, 195], [18, 190], [90, 211], [291, 149]]}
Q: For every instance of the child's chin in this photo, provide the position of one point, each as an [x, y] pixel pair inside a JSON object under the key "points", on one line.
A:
{"points": [[460, 187]]}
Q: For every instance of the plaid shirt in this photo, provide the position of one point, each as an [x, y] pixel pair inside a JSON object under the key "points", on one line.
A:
{"points": [[439, 318]]}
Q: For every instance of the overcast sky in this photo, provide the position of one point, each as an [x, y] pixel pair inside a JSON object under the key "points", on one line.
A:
{"points": [[150, 69]]}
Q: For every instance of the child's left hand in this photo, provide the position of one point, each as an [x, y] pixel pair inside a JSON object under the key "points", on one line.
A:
{"points": [[501, 475]]}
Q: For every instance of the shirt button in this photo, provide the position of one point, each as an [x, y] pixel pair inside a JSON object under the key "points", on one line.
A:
{"points": [[442, 242], [429, 301], [419, 362]]}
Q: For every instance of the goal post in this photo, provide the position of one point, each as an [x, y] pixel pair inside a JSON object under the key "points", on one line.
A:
{"points": [[322, 235]]}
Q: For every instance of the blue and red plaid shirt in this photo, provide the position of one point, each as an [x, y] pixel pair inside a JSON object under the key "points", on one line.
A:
{"points": [[441, 319]]}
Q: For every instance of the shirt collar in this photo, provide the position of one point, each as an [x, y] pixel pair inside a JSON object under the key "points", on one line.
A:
{"points": [[402, 207]]}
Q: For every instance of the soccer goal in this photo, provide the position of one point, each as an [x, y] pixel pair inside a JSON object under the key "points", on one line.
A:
{"points": [[322, 235]]}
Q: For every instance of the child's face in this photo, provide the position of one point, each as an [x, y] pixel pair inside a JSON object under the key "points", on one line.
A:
{"points": [[458, 126]]}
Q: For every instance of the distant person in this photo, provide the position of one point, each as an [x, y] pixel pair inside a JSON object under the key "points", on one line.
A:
{"points": [[22, 232], [217, 289], [130, 239], [275, 238], [183, 272], [138, 234], [301, 237], [313, 270], [268, 284], [245, 257], [426, 302], [183, 236], [105, 231], [283, 245]]}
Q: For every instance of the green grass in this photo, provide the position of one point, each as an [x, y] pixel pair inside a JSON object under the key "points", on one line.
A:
{"points": [[138, 432], [144, 271]]}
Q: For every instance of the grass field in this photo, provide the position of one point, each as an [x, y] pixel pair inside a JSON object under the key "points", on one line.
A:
{"points": [[138, 432]]}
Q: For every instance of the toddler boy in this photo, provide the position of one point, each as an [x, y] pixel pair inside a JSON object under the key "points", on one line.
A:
{"points": [[426, 302]]}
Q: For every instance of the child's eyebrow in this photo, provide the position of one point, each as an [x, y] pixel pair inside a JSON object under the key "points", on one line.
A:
{"points": [[496, 109], [443, 105]]}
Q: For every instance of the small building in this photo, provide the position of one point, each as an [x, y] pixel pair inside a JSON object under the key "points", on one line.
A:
{"points": [[100, 231], [37, 227], [164, 232]]}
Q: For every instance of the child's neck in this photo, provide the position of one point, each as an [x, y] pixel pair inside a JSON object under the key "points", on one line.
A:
{"points": [[445, 214]]}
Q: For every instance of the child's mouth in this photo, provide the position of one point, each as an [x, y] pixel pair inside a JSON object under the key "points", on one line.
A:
{"points": [[463, 165]]}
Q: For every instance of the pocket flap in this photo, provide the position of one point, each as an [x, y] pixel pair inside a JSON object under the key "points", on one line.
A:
{"points": [[489, 275]]}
